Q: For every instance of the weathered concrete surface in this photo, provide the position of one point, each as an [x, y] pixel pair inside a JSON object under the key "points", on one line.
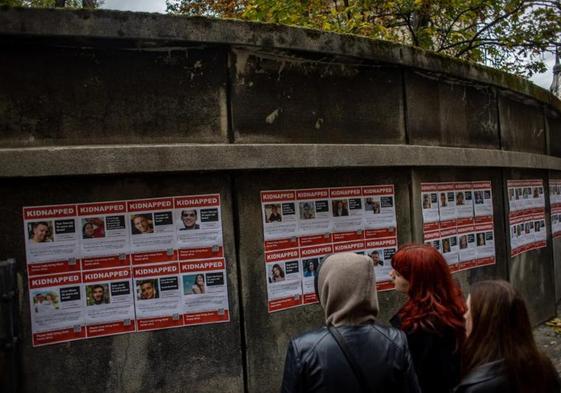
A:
{"points": [[194, 359], [556, 247], [553, 122], [286, 98], [450, 112], [522, 125], [161, 158], [103, 96], [267, 334], [147, 30], [532, 273]]}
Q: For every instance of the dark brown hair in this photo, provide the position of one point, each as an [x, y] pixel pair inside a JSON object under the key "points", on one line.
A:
{"points": [[501, 330]]}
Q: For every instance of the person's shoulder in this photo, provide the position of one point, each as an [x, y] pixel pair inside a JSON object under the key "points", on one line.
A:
{"points": [[310, 339], [487, 378], [391, 334]]}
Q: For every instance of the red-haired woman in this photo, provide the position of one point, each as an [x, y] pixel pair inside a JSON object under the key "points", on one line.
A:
{"points": [[500, 354], [432, 317]]}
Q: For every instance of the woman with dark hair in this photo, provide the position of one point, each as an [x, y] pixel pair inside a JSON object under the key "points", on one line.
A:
{"points": [[500, 354], [198, 287], [432, 317], [277, 274]]}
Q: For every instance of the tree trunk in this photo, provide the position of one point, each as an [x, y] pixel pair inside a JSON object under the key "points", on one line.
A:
{"points": [[60, 3]]}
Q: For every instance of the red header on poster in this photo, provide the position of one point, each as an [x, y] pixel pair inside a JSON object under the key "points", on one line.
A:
{"points": [[102, 208], [55, 280], [316, 251], [199, 266], [163, 269], [277, 196], [141, 205], [43, 212], [378, 190], [197, 201], [345, 192], [281, 255], [313, 193], [107, 275]]}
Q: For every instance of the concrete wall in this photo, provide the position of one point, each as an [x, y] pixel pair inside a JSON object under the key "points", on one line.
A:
{"points": [[104, 105]]}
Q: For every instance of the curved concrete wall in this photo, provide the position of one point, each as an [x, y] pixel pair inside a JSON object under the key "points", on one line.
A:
{"points": [[106, 105]]}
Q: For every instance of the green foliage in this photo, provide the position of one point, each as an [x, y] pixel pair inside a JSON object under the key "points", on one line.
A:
{"points": [[48, 3], [512, 35]]}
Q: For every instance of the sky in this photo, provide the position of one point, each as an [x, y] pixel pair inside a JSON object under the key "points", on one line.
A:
{"points": [[543, 80]]}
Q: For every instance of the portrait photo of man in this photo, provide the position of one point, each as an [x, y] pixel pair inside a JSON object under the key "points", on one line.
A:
{"points": [[272, 213], [189, 218], [147, 289], [97, 294]]}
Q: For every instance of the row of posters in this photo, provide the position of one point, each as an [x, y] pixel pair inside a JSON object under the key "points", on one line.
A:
{"points": [[303, 226], [555, 202], [458, 222], [526, 217], [107, 268]]}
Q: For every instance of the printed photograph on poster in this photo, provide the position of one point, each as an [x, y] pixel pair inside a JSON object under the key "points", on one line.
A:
{"points": [[485, 243], [204, 291], [109, 302], [464, 203], [152, 226], [314, 211], [447, 203], [51, 239], [482, 199], [56, 306], [104, 235], [158, 302], [346, 209], [310, 259], [429, 203], [280, 219], [199, 222], [382, 256], [379, 206], [284, 281]]}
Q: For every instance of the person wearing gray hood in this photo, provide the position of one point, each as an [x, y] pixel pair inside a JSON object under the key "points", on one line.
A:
{"points": [[353, 352]]}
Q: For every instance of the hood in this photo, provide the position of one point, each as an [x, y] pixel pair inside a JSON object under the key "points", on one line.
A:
{"points": [[347, 289]]}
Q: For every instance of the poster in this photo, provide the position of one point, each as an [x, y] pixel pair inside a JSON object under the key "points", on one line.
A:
{"points": [[109, 301], [51, 239], [555, 203], [56, 307], [105, 268], [104, 235], [303, 226], [204, 291], [526, 200], [464, 208]]}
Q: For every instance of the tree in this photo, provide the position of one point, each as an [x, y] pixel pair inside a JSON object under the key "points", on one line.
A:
{"points": [[52, 3], [512, 35]]}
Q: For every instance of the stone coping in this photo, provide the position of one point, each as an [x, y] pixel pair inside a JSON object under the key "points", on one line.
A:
{"points": [[168, 158]]}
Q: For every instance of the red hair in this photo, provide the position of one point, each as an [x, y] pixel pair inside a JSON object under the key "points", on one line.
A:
{"points": [[435, 300]]}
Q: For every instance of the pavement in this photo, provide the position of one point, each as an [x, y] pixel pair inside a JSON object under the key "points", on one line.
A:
{"points": [[549, 342]]}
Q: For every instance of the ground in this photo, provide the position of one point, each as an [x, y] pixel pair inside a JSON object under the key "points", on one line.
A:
{"points": [[550, 342]]}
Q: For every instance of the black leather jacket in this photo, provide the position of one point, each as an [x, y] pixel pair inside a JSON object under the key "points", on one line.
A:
{"points": [[315, 363], [436, 361], [487, 378]]}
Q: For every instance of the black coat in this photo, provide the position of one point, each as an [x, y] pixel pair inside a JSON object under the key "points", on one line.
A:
{"points": [[487, 378], [315, 363], [436, 360]]}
